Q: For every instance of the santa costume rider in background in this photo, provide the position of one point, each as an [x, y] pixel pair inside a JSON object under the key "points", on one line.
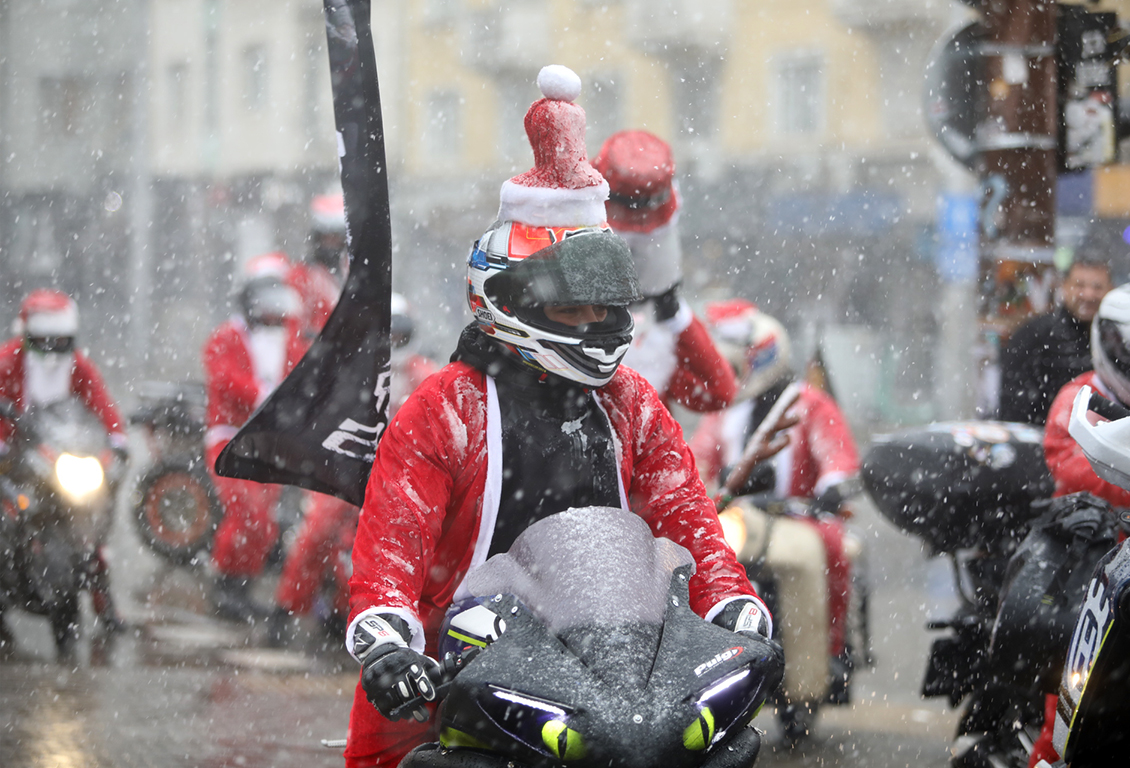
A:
{"points": [[329, 525], [671, 348], [320, 276], [1110, 355], [245, 358], [820, 461], [42, 366], [534, 415]]}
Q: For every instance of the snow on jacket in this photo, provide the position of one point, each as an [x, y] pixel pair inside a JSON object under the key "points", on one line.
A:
{"points": [[234, 386], [86, 384], [679, 359], [423, 524], [821, 451], [1069, 467]]}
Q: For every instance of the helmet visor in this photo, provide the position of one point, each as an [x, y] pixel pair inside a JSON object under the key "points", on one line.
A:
{"points": [[588, 266], [51, 344], [1114, 346]]}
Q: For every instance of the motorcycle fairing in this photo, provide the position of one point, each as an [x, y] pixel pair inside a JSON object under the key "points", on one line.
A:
{"points": [[544, 702], [1093, 712]]}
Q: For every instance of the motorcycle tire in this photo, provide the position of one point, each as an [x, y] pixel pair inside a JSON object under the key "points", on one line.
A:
{"points": [[176, 510], [432, 755]]}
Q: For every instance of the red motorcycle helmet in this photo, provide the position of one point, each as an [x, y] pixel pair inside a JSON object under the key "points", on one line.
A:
{"points": [[640, 170]]}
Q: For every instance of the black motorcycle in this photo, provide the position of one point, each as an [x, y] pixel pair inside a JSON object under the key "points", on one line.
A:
{"points": [[56, 491], [978, 492], [574, 652]]}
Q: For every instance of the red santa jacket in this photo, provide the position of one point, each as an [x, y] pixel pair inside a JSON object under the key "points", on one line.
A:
{"points": [[233, 391], [428, 514], [1069, 467], [319, 291], [86, 384], [821, 450], [680, 360]]}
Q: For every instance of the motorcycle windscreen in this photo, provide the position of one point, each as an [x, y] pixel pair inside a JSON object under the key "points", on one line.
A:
{"points": [[609, 569], [1092, 723]]}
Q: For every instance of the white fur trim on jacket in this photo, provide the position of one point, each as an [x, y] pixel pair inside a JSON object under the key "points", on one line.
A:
{"points": [[553, 206]]}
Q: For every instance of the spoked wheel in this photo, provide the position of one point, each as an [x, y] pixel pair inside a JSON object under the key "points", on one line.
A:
{"points": [[177, 510]]}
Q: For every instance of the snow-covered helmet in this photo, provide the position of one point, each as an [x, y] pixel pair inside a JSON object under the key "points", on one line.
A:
{"points": [[327, 230], [643, 205], [1110, 342], [265, 297], [552, 246], [755, 344], [515, 270], [48, 321]]}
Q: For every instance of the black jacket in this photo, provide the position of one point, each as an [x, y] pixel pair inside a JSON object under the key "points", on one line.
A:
{"points": [[1043, 355]]}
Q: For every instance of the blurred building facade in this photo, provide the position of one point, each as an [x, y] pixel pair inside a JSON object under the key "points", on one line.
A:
{"points": [[809, 181]]}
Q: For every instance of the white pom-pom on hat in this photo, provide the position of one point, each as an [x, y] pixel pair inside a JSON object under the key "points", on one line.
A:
{"points": [[558, 82]]}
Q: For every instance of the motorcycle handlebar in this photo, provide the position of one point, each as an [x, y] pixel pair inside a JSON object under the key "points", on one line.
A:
{"points": [[441, 678]]}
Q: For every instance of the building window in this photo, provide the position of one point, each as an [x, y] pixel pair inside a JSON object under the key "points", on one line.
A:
{"points": [[63, 103], [255, 76], [443, 134], [176, 80], [800, 94]]}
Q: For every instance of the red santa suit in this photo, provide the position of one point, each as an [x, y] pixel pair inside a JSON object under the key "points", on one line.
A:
{"points": [[1069, 467], [23, 383], [679, 359], [242, 366], [433, 495], [330, 524], [319, 291], [821, 453]]}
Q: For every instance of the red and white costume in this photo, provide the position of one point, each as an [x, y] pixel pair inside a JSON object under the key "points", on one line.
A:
{"points": [[242, 366], [1069, 467], [821, 450], [433, 495], [821, 453], [319, 291], [20, 383]]}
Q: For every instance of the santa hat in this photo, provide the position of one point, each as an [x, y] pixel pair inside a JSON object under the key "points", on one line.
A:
{"points": [[327, 212], [562, 189], [640, 169], [48, 313], [274, 264]]}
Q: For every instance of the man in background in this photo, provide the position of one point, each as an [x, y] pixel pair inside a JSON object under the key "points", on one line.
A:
{"points": [[1052, 349]]}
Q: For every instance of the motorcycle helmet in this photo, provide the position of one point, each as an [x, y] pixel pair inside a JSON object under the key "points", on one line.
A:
{"points": [[755, 344], [48, 321], [643, 205], [551, 246], [516, 270], [401, 325], [265, 298], [1110, 342], [327, 230]]}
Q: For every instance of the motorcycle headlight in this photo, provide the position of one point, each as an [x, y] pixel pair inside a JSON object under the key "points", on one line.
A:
{"points": [[733, 528], [79, 476]]}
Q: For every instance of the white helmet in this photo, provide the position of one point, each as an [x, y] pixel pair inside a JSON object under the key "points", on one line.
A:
{"points": [[515, 270], [756, 345], [265, 296], [1110, 342]]}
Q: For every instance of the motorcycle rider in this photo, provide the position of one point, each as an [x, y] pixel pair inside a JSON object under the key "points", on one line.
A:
{"points": [[533, 416], [41, 366], [670, 347], [319, 278], [1110, 355], [329, 525], [819, 462], [245, 358]]}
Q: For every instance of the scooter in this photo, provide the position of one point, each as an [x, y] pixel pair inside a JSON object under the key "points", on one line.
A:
{"points": [[56, 494], [566, 651], [784, 555]]}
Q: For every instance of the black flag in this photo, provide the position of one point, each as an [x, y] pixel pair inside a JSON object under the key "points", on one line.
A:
{"points": [[319, 429]]}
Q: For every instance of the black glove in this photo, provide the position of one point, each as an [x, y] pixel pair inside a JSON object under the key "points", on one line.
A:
{"points": [[832, 499], [667, 304], [745, 616], [392, 674]]}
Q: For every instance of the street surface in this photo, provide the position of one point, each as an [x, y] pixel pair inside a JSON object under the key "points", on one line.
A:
{"points": [[180, 689]]}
